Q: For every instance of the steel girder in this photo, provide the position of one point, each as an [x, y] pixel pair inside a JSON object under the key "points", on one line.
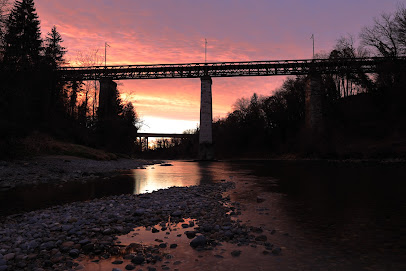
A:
{"points": [[227, 69]]}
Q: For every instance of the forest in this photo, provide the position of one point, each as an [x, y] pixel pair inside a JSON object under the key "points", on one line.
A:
{"points": [[364, 114], [33, 100]]}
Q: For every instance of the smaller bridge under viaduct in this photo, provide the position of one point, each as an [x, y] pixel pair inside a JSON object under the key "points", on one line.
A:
{"points": [[314, 68]]}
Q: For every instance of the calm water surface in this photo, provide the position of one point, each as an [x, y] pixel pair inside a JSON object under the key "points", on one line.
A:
{"points": [[325, 215]]}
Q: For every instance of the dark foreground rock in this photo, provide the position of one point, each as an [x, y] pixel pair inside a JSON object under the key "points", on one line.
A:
{"points": [[51, 239]]}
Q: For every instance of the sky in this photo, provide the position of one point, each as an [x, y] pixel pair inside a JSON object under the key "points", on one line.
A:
{"points": [[174, 31]]}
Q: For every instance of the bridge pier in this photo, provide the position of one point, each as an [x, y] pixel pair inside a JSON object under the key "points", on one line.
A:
{"points": [[206, 150], [107, 107], [314, 121]]}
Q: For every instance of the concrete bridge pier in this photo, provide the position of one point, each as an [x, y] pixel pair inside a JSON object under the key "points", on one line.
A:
{"points": [[314, 110], [107, 107], [206, 150]]}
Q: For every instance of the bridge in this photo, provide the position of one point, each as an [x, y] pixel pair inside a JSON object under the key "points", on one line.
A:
{"points": [[163, 135], [205, 71]]}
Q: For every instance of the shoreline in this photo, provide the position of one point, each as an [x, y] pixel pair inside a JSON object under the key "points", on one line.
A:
{"points": [[53, 238]]}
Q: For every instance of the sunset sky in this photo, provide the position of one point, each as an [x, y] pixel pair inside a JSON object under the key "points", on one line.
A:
{"points": [[169, 31]]}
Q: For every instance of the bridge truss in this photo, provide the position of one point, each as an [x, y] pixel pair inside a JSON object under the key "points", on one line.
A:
{"points": [[227, 69]]}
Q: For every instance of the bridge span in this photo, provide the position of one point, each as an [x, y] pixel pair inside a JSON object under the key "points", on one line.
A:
{"points": [[205, 71]]}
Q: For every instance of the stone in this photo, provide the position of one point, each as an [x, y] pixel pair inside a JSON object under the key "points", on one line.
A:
{"points": [[3, 267], [117, 262], [199, 241], [173, 246], [190, 234], [236, 253], [154, 230], [116, 269], [150, 268], [138, 259], [129, 267], [9, 256], [74, 253], [139, 212], [177, 213], [162, 245], [277, 251], [261, 238]]}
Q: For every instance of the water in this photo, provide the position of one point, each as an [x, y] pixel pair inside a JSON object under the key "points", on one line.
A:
{"points": [[324, 215]]}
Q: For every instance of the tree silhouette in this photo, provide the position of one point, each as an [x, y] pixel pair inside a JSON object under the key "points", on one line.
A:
{"points": [[23, 43], [54, 51]]}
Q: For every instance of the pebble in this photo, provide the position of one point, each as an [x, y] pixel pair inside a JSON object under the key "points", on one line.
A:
{"points": [[199, 241], [129, 267], [236, 253], [70, 230]]}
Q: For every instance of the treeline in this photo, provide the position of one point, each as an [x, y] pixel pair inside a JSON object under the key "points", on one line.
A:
{"points": [[34, 98], [359, 110]]}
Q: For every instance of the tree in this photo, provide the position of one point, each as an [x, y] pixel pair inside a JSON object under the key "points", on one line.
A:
{"points": [[23, 43], [54, 51], [4, 9], [129, 115]]}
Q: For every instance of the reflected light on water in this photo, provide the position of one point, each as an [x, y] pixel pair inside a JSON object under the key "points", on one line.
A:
{"points": [[180, 174]]}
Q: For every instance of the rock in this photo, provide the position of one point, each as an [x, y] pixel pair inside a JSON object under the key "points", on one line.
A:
{"points": [[154, 230], [261, 238], [74, 253], [173, 246], [177, 213], [236, 253], [116, 269], [177, 263], [139, 212], [138, 259], [150, 268], [199, 241], [9, 256], [129, 267], [117, 262], [162, 245], [260, 199], [184, 225], [218, 256], [276, 251], [3, 267], [190, 234]]}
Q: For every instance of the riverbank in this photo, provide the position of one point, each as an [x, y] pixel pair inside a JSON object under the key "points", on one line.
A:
{"points": [[61, 169], [53, 238]]}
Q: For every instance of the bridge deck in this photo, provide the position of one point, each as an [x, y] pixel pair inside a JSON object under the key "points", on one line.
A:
{"points": [[226, 69], [162, 135]]}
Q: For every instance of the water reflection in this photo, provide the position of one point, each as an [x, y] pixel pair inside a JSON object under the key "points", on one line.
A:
{"points": [[157, 177]]}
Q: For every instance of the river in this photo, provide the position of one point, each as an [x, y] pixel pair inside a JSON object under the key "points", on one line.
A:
{"points": [[324, 215]]}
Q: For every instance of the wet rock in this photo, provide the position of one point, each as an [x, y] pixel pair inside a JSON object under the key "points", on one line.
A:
{"points": [[173, 246], [154, 230], [150, 268], [162, 245], [129, 267], [199, 241], [190, 234], [218, 256], [116, 269], [236, 253], [117, 262], [138, 259]]}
